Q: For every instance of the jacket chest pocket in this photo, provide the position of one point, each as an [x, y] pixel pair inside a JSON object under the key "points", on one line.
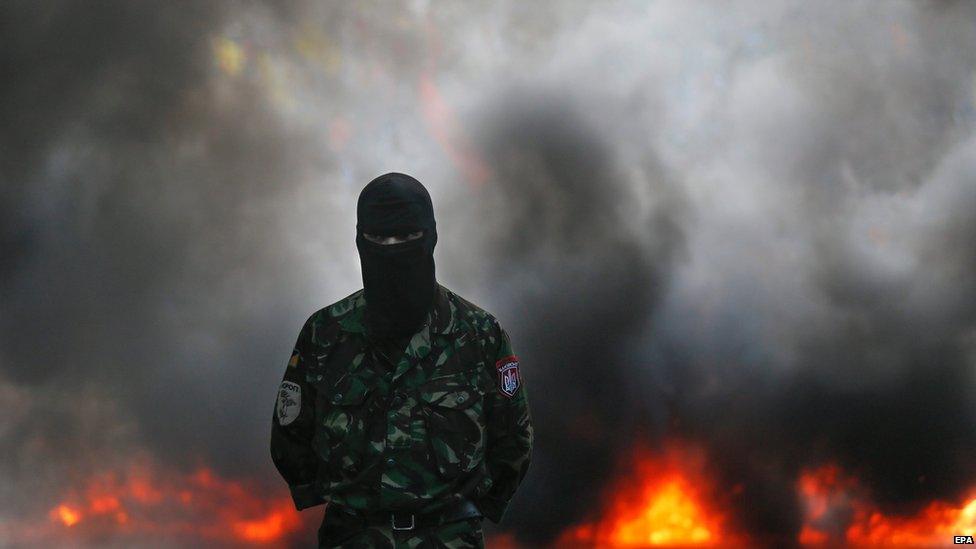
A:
{"points": [[453, 409], [342, 430]]}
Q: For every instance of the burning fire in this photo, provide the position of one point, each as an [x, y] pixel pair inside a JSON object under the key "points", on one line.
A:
{"points": [[666, 502], [670, 516], [666, 499], [839, 511], [66, 514], [195, 508]]}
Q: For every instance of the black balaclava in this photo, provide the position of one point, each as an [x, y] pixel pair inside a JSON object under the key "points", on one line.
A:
{"points": [[398, 279]]}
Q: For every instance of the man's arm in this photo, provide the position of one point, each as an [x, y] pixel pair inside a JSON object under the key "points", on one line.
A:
{"points": [[293, 427], [509, 429]]}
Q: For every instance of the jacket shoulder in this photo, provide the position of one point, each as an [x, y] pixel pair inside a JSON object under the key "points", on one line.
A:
{"points": [[325, 322], [471, 317], [348, 306]]}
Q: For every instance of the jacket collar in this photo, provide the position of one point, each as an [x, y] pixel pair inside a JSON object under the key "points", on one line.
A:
{"points": [[441, 319]]}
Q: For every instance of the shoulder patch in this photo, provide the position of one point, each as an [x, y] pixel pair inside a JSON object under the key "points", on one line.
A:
{"points": [[289, 402], [509, 380], [293, 362]]}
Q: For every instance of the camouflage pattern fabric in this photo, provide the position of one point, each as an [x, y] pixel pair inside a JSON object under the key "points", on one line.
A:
{"points": [[449, 420]]}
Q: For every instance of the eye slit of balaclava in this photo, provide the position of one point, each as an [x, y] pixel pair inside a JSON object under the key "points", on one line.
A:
{"points": [[393, 239]]}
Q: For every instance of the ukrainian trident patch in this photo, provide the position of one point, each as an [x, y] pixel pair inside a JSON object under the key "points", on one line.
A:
{"points": [[508, 375]]}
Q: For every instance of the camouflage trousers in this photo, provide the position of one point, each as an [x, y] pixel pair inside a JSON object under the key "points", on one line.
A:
{"points": [[340, 529]]}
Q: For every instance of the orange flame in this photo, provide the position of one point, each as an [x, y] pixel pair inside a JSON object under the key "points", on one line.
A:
{"points": [[200, 506], [670, 516], [270, 527], [838, 510], [66, 514], [669, 503]]}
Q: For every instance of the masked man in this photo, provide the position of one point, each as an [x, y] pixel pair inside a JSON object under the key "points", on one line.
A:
{"points": [[403, 406]]}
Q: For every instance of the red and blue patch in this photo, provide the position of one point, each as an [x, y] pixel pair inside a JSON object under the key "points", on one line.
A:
{"points": [[509, 379]]}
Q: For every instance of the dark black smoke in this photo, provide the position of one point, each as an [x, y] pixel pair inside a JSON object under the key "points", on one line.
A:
{"points": [[139, 241], [573, 259], [849, 352]]}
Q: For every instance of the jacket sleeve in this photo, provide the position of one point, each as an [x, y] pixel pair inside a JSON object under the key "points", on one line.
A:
{"points": [[510, 432], [293, 427]]}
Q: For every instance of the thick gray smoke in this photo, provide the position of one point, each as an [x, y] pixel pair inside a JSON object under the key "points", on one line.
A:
{"points": [[147, 208], [751, 228]]}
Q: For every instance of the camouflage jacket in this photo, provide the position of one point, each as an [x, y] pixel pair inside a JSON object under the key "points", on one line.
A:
{"points": [[449, 420]]}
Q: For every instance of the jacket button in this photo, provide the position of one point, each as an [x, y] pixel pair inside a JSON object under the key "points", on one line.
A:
{"points": [[391, 462], [397, 401], [460, 399], [337, 397]]}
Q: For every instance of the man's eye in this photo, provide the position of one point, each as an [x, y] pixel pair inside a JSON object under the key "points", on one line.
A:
{"points": [[396, 239]]}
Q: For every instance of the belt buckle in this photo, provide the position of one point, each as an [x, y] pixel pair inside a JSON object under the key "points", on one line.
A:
{"points": [[393, 522]]}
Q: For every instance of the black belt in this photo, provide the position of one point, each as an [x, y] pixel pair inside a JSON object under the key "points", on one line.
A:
{"points": [[410, 521]]}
